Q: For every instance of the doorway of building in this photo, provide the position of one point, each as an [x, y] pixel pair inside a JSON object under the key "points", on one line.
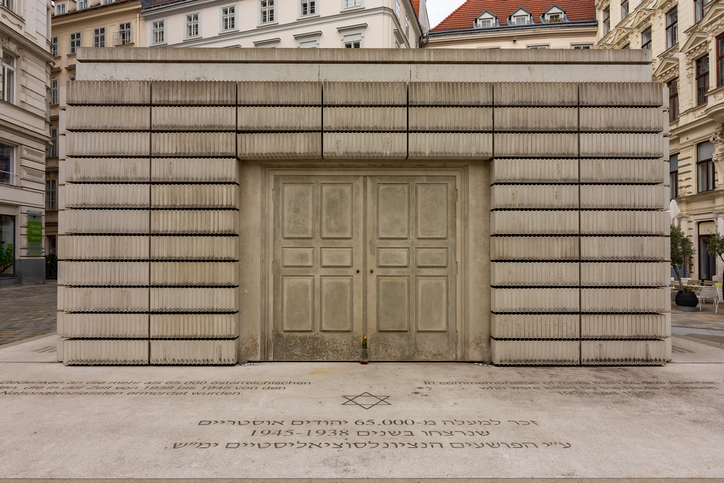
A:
{"points": [[707, 263]]}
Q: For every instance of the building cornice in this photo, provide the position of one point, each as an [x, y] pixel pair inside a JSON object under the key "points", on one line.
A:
{"points": [[21, 41], [516, 28]]}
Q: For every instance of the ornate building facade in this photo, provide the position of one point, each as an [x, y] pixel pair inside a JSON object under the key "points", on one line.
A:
{"points": [[687, 43]]}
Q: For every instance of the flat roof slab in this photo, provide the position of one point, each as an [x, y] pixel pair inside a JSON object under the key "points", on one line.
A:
{"points": [[346, 420]]}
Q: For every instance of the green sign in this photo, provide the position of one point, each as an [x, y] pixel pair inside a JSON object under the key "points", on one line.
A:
{"points": [[35, 233]]}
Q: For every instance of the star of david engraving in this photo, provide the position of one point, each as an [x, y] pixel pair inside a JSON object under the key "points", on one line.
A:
{"points": [[366, 400]]}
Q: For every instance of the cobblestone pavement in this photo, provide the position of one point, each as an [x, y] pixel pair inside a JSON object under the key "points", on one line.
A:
{"points": [[27, 311]]}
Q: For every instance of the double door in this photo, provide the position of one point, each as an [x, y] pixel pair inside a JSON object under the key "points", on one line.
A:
{"points": [[364, 255]]}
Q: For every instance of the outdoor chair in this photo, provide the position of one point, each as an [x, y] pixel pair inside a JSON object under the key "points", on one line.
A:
{"points": [[708, 293], [718, 299]]}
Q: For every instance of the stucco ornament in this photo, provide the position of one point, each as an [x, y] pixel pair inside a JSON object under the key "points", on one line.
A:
{"points": [[718, 139]]}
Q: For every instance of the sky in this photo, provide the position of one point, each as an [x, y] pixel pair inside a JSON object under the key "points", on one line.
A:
{"points": [[437, 10]]}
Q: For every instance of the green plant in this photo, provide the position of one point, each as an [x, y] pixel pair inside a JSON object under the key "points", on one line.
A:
{"points": [[7, 256], [51, 259], [682, 251], [715, 246]]}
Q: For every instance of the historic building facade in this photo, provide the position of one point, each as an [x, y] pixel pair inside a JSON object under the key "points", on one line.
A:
{"points": [[687, 43], [497, 24], [294, 201], [24, 82], [380, 24]]}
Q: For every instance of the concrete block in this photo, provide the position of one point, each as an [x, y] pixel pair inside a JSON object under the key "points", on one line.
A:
{"points": [[195, 196], [623, 352], [193, 352], [196, 93], [108, 170], [108, 118], [365, 94], [217, 299], [622, 274], [195, 273], [365, 145], [106, 221], [194, 144], [622, 171], [534, 222], [536, 94], [536, 119], [351, 119], [534, 274], [105, 326], [450, 145], [193, 118], [534, 248], [525, 196], [200, 222], [531, 145], [451, 94], [623, 326], [463, 119], [622, 94], [279, 93], [534, 170], [534, 300], [102, 273], [667, 177], [105, 352], [194, 248], [634, 248], [202, 170], [108, 93], [624, 145], [625, 300], [608, 119], [279, 118], [107, 195], [642, 197], [624, 223], [279, 145], [100, 299], [535, 326], [535, 352], [194, 326], [108, 144], [116, 247]]}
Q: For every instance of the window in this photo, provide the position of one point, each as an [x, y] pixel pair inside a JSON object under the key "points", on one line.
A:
{"points": [[124, 34], [8, 71], [51, 195], [352, 45], [554, 17], [700, 9], [52, 151], [60, 8], [705, 166], [99, 37], [159, 32], [397, 8], [582, 46], [537, 46], [7, 163], [192, 25], [7, 237], [82, 4], [674, 176], [672, 28], [54, 46], [646, 39], [53, 92], [521, 20], [307, 7], [9, 4], [74, 42], [486, 23], [228, 18], [702, 79], [351, 3], [720, 61], [105, 2], [267, 11], [624, 9], [407, 26], [673, 86], [606, 20]]}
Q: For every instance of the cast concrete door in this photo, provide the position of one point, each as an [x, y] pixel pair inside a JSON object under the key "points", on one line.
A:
{"points": [[364, 255]]}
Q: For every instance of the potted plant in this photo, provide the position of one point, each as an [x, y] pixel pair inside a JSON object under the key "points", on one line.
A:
{"points": [[682, 253]]}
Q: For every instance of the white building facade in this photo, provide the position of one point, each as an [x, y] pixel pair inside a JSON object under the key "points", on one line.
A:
{"points": [[24, 84], [285, 23]]}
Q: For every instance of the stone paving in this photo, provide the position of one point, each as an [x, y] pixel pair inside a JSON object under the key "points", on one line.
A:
{"points": [[27, 311]]}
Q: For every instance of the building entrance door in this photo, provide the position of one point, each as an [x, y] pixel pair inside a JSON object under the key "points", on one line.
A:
{"points": [[364, 255]]}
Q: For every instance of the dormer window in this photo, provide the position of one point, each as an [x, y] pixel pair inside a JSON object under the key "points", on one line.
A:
{"points": [[520, 17], [554, 14], [485, 23], [486, 20], [554, 17]]}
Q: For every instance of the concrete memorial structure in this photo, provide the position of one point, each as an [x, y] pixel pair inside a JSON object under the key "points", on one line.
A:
{"points": [[228, 205]]}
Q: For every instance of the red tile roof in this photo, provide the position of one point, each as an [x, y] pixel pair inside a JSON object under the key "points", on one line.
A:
{"points": [[416, 6], [465, 15]]}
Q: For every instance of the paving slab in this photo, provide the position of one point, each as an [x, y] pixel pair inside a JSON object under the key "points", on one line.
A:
{"points": [[345, 420]]}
